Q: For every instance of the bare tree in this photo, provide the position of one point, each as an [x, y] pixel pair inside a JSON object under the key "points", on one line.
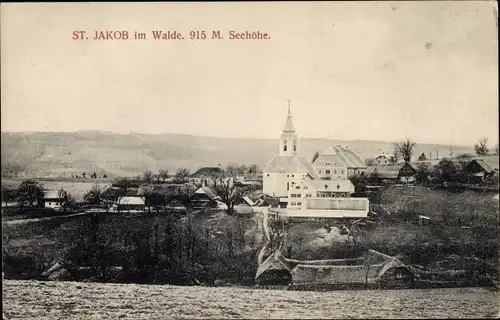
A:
{"points": [[396, 152], [253, 169], [230, 193], [94, 195], [463, 160], [277, 229], [182, 174], [147, 176], [163, 174], [481, 147], [31, 191], [242, 169], [422, 174], [67, 200], [232, 170], [406, 149]]}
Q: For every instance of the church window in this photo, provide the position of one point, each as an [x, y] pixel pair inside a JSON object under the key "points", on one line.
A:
{"points": [[327, 171], [284, 147], [268, 174], [292, 175], [297, 187], [294, 147], [287, 175], [299, 203]]}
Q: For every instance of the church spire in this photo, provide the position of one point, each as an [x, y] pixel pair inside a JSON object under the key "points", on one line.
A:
{"points": [[289, 125]]}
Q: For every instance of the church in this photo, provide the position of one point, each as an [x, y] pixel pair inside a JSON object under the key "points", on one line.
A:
{"points": [[322, 189], [286, 168]]}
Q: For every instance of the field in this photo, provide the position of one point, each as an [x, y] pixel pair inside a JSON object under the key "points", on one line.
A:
{"points": [[62, 154], [73, 300], [76, 189]]}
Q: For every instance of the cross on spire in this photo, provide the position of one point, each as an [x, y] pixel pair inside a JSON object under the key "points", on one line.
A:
{"points": [[288, 101]]}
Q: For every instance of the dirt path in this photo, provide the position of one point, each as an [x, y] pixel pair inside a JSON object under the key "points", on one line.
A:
{"points": [[24, 221], [265, 229]]}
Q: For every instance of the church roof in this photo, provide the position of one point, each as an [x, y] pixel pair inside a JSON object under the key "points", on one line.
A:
{"points": [[340, 156], [285, 164], [289, 124]]}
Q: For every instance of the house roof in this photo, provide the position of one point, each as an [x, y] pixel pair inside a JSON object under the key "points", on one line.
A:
{"points": [[331, 185], [208, 172], [275, 261], [208, 191], [248, 201], [373, 264], [285, 164], [52, 194], [409, 164], [131, 200], [384, 172], [492, 161], [485, 166], [339, 156]]}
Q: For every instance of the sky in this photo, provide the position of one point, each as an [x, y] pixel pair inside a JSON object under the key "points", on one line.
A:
{"points": [[352, 70]]}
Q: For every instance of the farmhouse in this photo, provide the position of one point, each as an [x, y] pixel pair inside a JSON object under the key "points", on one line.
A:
{"points": [[206, 197], [206, 176], [245, 206], [492, 161], [131, 203], [336, 163], [53, 199], [373, 269], [478, 169], [407, 173], [383, 160], [383, 173]]}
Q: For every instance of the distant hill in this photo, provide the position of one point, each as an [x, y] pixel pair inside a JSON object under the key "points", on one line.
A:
{"points": [[42, 154]]}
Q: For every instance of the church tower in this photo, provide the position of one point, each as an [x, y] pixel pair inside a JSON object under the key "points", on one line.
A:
{"points": [[289, 143]]}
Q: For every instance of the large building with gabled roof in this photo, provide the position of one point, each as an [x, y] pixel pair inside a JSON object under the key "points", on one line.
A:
{"points": [[337, 162]]}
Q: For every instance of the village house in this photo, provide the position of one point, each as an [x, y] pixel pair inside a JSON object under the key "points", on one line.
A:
{"points": [[337, 163], [478, 170], [383, 174], [206, 197], [373, 269], [131, 203], [245, 206], [207, 176], [383, 160], [491, 160], [325, 198], [53, 199], [407, 173]]}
